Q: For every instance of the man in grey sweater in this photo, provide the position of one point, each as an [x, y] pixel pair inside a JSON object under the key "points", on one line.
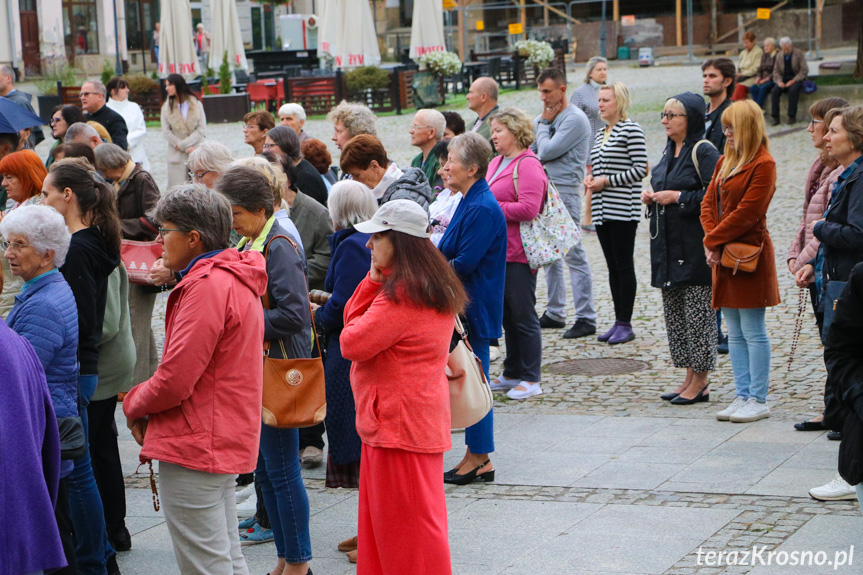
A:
{"points": [[563, 142]]}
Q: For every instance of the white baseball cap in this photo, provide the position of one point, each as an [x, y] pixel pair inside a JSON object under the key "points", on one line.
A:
{"points": [[404, 216]]}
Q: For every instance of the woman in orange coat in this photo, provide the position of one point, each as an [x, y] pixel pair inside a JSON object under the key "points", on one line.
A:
{"points": [[734, 210]]}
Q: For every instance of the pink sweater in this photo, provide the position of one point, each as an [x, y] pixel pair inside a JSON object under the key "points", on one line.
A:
{"points": [[820, 179], [521, 207], [399, 353]]}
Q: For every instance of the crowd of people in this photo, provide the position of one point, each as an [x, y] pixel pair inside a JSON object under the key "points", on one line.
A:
{"points": [[398, 252]]}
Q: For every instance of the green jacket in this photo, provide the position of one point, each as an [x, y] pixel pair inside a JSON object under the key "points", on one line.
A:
{"points": [[117, 354], [430, 169]]}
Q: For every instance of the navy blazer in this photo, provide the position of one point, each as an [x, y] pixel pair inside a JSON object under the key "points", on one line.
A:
{"points": [[475, 245]]}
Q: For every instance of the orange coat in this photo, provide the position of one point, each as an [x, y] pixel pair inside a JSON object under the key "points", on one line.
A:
{"points": [[745, 197]]}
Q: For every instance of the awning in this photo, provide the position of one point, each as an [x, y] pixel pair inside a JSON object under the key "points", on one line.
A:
{"points": [[176, 45], [427, 29]]}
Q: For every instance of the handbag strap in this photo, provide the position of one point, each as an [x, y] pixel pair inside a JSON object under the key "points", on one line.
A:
{"points": [[266, 299], [515, 177], [695, 158]]}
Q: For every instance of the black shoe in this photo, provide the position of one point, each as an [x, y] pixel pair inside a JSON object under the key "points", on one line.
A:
{"points": [[697, 399], [834, 436], [792, 120], [668, 396], [546, 322], [809, 426], [471, 476], [111, 565], [450, 473], [581, 328], [775, 121], [121, 540]]}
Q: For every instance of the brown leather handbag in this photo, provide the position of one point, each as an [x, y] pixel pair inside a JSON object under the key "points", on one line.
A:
{"points": [[294, 389], [737, 256]]}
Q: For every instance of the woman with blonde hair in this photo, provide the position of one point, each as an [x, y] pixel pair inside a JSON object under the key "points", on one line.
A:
{"points": [[734, 211], [619, 160]]}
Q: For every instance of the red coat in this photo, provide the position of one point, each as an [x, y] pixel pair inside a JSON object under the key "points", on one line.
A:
{"points": [[204, 401], [399, 353], [746, 196]]}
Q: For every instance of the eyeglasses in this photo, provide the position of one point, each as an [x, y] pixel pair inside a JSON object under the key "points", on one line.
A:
{"points": [[163, 231], [669, 115], [194, 176], [55, 121], [728, 130], [14, 246], [82, 94], [417, 127], [813, 121]]}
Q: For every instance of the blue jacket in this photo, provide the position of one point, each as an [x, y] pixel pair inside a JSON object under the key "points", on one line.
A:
{"points": [[45, 315], [475, 245], [349, 266]]}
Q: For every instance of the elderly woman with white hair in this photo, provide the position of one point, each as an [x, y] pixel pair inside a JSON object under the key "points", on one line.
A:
{"points": [[207, 162], [293, 116], [36, 241]]}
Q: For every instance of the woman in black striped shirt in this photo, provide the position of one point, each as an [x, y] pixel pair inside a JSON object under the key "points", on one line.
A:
{"points": [[619, 159]]}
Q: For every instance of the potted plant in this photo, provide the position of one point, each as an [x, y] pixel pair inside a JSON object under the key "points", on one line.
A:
{"points": [[429, 82], [538, 54], [145, 92], [369, 85], [225, 106]]}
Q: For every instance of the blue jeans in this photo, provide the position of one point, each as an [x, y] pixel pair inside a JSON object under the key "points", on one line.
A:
{"points": [[759, 92], [749, 348], [285, 497], [479, 437], [85, 506]]}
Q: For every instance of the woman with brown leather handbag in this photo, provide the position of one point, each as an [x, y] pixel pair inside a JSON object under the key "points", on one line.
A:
{"points": [[287, 327], [738, 247]]}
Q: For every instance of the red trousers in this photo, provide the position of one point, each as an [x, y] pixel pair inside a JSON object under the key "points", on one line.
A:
{"points": [[402, 514], [740, 92]]}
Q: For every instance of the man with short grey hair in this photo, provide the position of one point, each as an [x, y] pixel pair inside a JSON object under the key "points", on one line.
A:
{"points": [[789, 72], [427, 130], [563, 142], [8, 91], [93, 97], [83, 134]]}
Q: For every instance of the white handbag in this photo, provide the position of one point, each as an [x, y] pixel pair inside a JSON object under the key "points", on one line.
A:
{"points": [[470, 397]]}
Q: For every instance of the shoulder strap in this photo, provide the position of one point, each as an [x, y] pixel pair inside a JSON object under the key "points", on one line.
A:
{"points": [[695, 158], [266, 297], [515, 173]]}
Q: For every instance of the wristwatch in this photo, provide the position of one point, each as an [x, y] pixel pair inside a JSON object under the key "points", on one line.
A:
{"points": [[544, 122]]}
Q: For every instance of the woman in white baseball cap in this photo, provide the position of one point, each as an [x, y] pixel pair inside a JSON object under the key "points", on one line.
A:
{"points": [[398, 327]]}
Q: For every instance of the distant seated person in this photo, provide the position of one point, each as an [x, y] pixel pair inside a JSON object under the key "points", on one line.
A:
{"points": [[294, 116], [83, 134], [789, 72], [94, 97], [747, 66]]}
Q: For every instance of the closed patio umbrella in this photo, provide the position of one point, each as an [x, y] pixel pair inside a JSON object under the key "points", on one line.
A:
{"points": [[176, 45], [427, 28], [357, 42], [330, 26], [226, 36]]}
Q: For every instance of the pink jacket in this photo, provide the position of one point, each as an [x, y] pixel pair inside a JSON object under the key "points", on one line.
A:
{"points": [[399, 353], [523, 207], [819, 188], [204, 401]]}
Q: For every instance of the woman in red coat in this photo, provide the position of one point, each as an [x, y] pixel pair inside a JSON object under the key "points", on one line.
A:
{"points": [[398, 327], [734, 210]]}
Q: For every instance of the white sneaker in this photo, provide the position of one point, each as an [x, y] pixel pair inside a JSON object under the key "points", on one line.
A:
{"points": [[248, 507], [245, 493], [836, 490], [751, 411], [531, 390], [726, 413], [502, 383], [493, 353]]}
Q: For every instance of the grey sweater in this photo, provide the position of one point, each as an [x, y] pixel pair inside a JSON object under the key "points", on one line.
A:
{"points": [[563, 146]]}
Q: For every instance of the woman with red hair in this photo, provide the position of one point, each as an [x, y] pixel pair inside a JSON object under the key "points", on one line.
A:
{"points": [[22, 173]]}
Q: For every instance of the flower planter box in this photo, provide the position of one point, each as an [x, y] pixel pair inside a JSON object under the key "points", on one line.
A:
{"points": [[428, 90], [46, 107], [223, 108]]}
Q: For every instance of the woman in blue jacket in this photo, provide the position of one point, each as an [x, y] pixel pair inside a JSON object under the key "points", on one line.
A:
{"points": [[45, 315], [475, 245]]}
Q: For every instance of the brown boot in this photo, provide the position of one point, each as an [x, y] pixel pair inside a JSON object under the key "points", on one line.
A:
{"points": [[352, 556], [348, 545]]}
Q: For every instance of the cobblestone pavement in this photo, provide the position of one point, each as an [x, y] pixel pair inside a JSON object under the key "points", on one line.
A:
{"points": [[501, 528]]}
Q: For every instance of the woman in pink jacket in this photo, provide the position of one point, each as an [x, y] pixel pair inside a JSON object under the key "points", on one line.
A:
{"points": [[200, 413], [519, 184], [398, 328], [819, 187]]}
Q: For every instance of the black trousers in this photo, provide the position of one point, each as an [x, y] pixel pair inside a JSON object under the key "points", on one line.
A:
{"points": [[793, 96], [107, 469], [617, 239], [522, 332], [67, 535]]}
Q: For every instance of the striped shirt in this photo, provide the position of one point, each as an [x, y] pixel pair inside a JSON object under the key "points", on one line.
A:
{"points": [[623, 160]]}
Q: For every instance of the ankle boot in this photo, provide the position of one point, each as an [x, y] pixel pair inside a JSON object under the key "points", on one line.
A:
{"points": [[607, 335], [622, 334]]}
